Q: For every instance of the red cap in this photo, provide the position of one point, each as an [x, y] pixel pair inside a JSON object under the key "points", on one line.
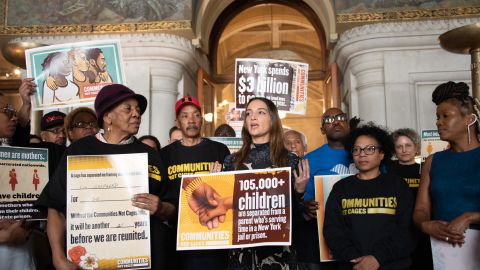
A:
{"points": [[187, 100]]}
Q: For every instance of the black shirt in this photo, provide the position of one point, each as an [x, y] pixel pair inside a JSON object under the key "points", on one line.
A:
{"points": [[422, 255], [54, 194], [410, 173], [182, 160], [370, 217]]}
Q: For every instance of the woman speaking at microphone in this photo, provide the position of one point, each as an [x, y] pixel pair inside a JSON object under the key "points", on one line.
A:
{"points": [[263, 148]]}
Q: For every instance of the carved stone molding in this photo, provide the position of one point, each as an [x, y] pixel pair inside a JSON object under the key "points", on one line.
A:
{"points": [[392, 36], [408, 14], [95, 28], [393, 28]]}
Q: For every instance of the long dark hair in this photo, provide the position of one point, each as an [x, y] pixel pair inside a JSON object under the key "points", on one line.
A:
{"points": [[278, 152]]}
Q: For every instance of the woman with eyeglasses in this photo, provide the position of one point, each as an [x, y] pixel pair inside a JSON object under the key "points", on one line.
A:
{"points": [[368, 215], [448, 201], [80, 123], [16, 243]]}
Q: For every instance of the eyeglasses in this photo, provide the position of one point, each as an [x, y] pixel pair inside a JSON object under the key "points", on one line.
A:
{"points": [[56, 131], [92, 124], [329, 119], [9, 111], [368, 150]]}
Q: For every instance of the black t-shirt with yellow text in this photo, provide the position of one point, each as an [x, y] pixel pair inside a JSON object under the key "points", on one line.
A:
{"points": [[370, 217], [410, 173], [182, 160]]}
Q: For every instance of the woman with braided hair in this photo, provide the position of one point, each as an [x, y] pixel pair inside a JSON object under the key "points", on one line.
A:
{"points": [[448, 201]]}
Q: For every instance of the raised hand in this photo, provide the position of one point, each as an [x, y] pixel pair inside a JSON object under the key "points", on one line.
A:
{"points": [[303, 176], [26, 89]]}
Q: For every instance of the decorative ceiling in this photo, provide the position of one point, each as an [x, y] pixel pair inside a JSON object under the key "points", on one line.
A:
{"points": [[349, 11], [269, 31]]}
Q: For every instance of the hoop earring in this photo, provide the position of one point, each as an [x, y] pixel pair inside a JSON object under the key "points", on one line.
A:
{"points": [[468, 131], [469, 125]]}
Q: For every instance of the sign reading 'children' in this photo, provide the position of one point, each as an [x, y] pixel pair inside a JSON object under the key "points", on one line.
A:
{"points": [[283, 82], [235, 209]]}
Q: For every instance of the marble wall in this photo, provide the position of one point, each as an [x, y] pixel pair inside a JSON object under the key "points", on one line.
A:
{"points": [[389, 70]]}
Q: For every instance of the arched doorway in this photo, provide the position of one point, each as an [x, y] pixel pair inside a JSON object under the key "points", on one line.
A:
{"points": [[285, 30]]}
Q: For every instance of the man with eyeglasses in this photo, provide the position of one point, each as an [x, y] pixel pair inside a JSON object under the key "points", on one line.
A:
{"points": [[52, 129], [330, 158]]}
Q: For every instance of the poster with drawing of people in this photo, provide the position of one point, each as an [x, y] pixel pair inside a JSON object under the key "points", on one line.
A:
{"points": [[72, 74]]}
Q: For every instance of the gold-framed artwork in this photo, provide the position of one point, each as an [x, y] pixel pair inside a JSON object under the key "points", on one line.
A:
{"points": [[30, 17], [350, 11]]}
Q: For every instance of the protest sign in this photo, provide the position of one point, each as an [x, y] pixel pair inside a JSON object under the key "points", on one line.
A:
{"points": [[233, 143], [283, 82], [103, 228], [252, 208], [24, 174], [72, 74], [431, 143], [465, 257], [323, 187]]}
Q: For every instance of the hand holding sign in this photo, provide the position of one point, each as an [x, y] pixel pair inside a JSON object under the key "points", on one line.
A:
{"points": [[146, 201]]}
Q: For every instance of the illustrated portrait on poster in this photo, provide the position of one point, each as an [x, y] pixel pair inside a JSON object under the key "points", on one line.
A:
{"points": [[72, 74]]}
